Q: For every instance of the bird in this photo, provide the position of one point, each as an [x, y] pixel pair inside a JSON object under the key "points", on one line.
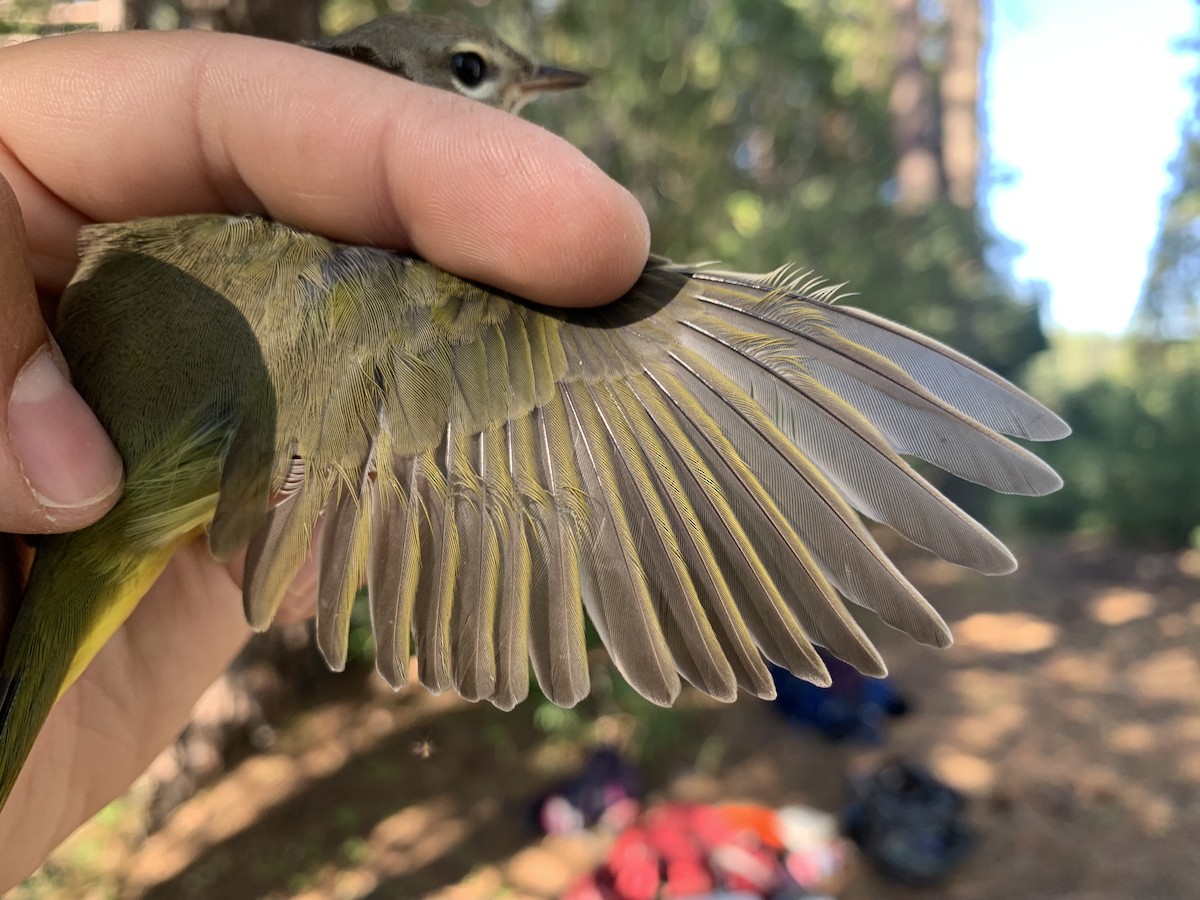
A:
{"points": [[688, 467]]}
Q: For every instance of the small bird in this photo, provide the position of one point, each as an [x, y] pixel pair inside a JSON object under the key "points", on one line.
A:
{"points": [[687, 465]]}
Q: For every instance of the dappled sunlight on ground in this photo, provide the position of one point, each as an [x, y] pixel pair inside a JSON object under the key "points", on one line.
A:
{"points": [[1070, 705], [1068, 710], [1015, 632], [1121, 605]]}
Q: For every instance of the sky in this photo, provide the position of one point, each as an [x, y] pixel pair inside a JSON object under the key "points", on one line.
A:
{"points": [[1084, 102]]}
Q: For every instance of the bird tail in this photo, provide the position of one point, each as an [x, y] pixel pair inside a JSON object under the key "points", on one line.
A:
{"points": [[77, 596]]}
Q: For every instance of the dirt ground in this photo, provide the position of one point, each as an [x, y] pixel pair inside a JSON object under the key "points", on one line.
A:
{"points": [[1068, 711]]}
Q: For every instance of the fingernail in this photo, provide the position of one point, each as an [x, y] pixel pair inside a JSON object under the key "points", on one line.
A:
{"points": [[66, 457]]}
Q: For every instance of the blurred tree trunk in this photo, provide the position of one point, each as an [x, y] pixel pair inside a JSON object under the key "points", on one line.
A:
{"points": [[960, 99], [918, 179], [934, 103], [294, 20], [138, 13]]}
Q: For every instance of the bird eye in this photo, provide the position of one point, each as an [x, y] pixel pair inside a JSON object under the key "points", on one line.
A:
{"points": [[468, 68]]}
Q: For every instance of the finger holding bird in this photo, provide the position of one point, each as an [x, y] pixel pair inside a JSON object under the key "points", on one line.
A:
{"points": [[687, 466], [342, 150]]}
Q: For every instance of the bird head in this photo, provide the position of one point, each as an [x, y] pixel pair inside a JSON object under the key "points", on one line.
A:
{"points": [[453, 56]]}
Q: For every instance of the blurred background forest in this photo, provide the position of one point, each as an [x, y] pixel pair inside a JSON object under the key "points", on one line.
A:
{"points": [[848, 137]]}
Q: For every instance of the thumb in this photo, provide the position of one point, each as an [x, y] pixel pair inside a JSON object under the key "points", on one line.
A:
{"points": [[58, 469]]}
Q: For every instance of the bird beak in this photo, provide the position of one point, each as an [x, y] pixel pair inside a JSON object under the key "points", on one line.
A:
{"points": [[552, 78], [543, 79]]}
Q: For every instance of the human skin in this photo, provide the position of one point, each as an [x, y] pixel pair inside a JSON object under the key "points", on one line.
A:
{"points": [[109, 127]]}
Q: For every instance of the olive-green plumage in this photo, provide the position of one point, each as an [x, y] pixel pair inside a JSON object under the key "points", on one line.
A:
{"points": [[686, 465]]}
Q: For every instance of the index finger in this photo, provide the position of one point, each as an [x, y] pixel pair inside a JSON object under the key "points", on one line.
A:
{"points": [[107, 127]]}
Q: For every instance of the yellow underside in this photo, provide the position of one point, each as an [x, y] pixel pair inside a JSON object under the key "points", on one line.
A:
{"points": [[127, 596]]}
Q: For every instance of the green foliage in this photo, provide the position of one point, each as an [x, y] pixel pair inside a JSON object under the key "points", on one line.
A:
{"points": [[23, 16], [650, 733], [360, 646], [1131, 466]]}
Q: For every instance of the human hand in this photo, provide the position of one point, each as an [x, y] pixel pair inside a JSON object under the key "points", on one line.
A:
{"points": [[97, 128]]}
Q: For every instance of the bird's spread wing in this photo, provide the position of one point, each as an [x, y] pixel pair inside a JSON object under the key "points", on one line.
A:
{"points": [[687, 465]]}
